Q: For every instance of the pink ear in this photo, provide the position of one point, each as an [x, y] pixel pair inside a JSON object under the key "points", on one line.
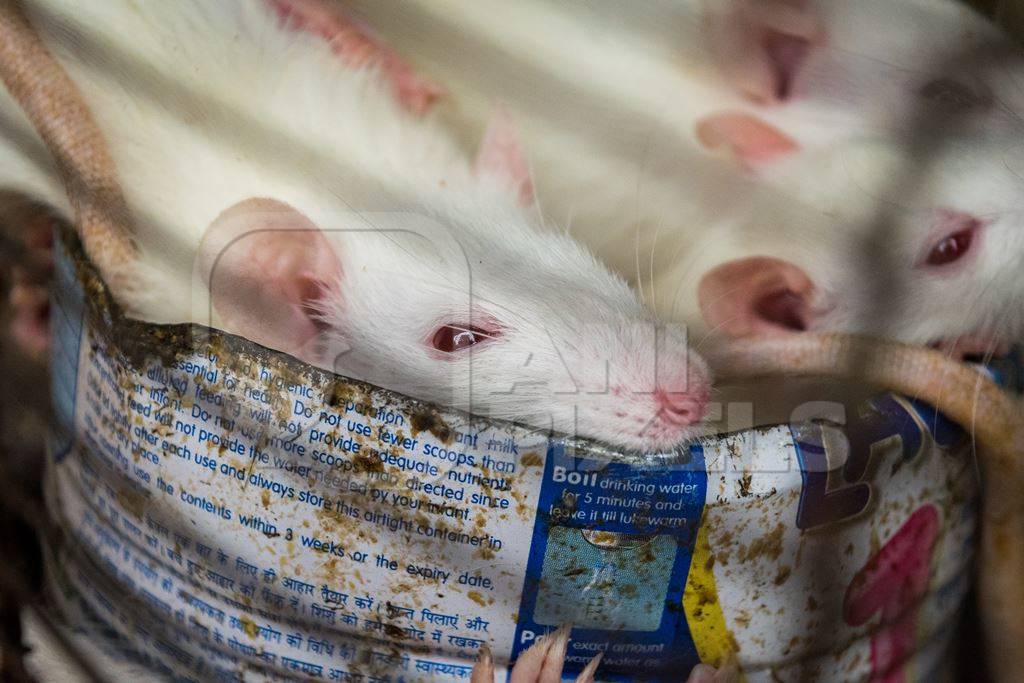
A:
{"points": [[761, 45], [756, 295], [501, 157], [267, 266], [751, 141]]}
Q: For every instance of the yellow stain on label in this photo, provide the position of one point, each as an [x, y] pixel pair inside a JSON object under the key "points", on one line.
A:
{"points": [[714, 643], [250, 627]]}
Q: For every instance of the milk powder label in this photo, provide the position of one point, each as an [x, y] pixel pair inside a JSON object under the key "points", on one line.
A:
{"points": [[237, 515]]}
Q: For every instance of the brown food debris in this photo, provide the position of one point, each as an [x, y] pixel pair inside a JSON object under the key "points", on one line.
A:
{"points": [[132, 501], [250, 627], [745, 482], [531, 459], [769, 545], [430, 421], [367, 463], [783, 575]]}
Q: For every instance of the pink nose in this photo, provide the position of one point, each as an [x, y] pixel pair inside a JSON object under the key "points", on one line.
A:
{"points": [[681, 409]]}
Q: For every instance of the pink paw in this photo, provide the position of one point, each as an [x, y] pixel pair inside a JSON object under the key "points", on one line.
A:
{"points": [[704, 673], [29, 298], [543, 663], [30, 319]]}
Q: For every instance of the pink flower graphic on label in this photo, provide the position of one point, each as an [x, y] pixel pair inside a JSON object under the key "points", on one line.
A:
{"points": [[891, 584]]}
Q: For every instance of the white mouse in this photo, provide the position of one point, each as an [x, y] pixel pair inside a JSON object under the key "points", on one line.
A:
{"points": [[922, 250], [621, 109], [370, 244], [817, 70], [645, 128]]}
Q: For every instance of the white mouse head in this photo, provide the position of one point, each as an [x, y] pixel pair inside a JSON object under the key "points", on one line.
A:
{"points": [[920, 249], [464, 303]]}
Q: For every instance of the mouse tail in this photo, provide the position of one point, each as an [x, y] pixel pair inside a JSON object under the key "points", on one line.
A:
{"points": [[54, 106]]}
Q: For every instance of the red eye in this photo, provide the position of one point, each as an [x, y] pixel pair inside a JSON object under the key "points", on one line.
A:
{"points": [[452, 338], [951, 247]]}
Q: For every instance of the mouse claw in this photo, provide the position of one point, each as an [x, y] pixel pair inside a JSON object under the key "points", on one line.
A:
{"points": [[705, 673], [30, 319], [542, 662], [551, 672], [587, 675], [483, 669]]}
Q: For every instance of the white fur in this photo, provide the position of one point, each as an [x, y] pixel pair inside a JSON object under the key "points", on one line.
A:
{"points": [[862, 239], [904, 298], [608, 97], [205, 104]]}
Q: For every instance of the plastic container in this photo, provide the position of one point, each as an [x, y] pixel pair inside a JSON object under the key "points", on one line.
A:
{"points": [[234, 514]]}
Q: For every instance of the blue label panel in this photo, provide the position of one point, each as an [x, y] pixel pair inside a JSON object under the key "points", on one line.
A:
{"points": [[611, 550], [66, 308], [829, 497]]}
